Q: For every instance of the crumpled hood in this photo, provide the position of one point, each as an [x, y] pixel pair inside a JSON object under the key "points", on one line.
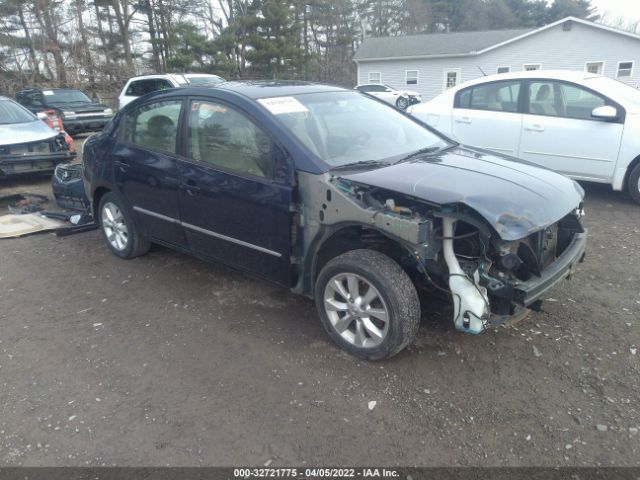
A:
{"points": [[515, 197], [16, 133]]}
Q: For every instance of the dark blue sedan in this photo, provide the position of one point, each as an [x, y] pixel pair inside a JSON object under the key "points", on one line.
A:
{"points": [[337, 196]]}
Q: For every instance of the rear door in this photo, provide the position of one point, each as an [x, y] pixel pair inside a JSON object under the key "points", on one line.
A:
{"points": [[145, 166], [559, 133], [487, 116], [234, 198]]}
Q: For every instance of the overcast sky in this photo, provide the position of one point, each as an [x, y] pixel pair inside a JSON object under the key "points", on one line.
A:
{"points": [[618, 8]]}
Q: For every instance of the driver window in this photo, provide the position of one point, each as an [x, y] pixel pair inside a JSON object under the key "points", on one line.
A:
{"points": [[223, 137], [578, 102]]}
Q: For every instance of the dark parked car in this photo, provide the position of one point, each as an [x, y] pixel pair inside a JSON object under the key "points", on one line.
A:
{"points": [[27, 144], [336, 196], [78, 112]]}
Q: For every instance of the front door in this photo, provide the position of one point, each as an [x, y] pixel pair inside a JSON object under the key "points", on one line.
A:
{"points": [[559, 133], [486, 116], [145, 169], [235, 207]]}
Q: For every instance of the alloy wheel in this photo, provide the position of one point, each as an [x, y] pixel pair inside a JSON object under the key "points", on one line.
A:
{"points": [[114, 226], [356, 310]]}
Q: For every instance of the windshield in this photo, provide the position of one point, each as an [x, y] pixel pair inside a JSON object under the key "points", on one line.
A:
{"points": [[11, 112], [344, 128], [205, 80], [65, 96]]}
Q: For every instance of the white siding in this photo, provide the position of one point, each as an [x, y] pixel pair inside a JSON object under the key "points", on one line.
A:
{"points": [[553, 49]]}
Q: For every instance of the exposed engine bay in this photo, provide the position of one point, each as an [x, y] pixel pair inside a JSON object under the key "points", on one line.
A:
{"points": [[451, 248]]}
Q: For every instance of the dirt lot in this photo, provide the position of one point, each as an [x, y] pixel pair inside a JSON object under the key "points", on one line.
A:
{"points": [[166, 360]]}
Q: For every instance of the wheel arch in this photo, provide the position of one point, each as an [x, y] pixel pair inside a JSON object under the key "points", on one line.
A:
{"points": [[350, 236], [630, 167], [98, 193]]}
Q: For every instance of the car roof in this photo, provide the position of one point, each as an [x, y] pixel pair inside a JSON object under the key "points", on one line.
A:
{"points": [[200, 75], [568, 75], [255, 89], [156, 75]]}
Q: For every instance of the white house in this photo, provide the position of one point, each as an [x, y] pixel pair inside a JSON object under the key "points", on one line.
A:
{"points": [[434, 62]]}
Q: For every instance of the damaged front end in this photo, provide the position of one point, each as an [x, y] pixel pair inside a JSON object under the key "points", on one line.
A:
{"points": [[451, 248], [34, 156]]}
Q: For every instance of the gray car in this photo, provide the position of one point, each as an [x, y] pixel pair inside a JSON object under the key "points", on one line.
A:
{"points": [[27, 144]]}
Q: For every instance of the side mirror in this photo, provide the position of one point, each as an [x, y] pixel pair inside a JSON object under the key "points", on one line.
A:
{"points": [[605, 112]]}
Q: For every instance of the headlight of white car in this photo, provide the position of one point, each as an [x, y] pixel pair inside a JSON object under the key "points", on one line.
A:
{"points": [[68, 115]]}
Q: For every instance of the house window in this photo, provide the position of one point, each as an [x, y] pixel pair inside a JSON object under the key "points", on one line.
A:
{"points": [[412, 77], [625, 69], [503, 69], [451, 78], [594, 67], [375, 77], [530, 67]]}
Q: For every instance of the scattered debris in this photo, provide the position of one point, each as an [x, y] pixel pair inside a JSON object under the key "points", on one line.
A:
{"points": [[633, 350], [372, 404], [22, 203], [536, 352], [601, 428], [25, 224]]}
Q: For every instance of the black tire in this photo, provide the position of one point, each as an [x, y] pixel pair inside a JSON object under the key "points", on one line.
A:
{"points": [[633, 183], [402, 103], [393, 286], [135, 244]]}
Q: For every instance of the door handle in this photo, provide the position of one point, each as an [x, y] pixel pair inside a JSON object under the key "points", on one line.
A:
{"points": [[190, 187], [534, 128], [463, 120]]}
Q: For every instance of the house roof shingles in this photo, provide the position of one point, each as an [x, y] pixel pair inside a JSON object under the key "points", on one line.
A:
{"points": [[433, 44]]}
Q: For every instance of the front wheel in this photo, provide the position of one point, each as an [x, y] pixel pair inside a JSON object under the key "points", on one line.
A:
{"points": [[367, 304], [633, 183], [118, 229], [402, 103]]}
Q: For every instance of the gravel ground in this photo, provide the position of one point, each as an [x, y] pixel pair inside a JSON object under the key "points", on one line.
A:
{"points": [[166, 360]]}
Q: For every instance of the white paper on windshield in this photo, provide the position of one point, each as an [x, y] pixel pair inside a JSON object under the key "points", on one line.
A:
{"points": [[282, 105], [47, 92]]}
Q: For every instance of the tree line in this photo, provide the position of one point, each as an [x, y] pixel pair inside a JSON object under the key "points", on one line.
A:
{"points": [[98, 44]]}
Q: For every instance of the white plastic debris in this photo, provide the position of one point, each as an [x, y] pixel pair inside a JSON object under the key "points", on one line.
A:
{"points": [[536, 352], [372, 404]]}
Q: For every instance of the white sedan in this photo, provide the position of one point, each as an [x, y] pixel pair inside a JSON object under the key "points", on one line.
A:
{"points": [[399, 98], [582, 125]]}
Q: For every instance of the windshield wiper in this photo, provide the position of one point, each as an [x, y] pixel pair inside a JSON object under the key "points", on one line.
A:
{"points": [[363, 163], [422, 151]]}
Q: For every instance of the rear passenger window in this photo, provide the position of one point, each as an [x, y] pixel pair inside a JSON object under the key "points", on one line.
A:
{"points": [[223, 137], [497, 96], [154, 125], [463, 99]]}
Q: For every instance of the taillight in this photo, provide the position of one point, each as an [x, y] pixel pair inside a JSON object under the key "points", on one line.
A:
{"points": [[53, 120]]}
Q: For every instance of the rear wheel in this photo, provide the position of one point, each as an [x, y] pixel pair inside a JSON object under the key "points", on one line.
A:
{"points": [[367, 304], [118, 230], [633, 183]]}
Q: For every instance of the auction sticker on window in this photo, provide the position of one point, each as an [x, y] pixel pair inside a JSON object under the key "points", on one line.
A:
{"points": [[282, 105], [47, 92]]}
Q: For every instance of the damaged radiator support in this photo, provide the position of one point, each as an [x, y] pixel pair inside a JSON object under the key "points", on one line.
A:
{"points": [[470, 301]]}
